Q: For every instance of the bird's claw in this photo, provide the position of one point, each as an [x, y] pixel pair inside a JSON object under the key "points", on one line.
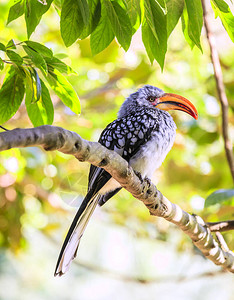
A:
{"points": [[148, 181], [138, 174]]}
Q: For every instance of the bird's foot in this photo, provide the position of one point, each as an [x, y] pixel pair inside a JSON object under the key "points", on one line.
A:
{"points": [[148, 181], [138, 174]]}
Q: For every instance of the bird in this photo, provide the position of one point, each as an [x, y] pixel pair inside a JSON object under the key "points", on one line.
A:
{"points": [[142, 134]]}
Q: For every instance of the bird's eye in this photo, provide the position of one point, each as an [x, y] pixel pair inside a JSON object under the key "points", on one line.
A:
{"points": [[151, 99]]}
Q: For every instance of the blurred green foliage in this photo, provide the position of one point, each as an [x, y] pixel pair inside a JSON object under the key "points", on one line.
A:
{"points": [[38, 189]]}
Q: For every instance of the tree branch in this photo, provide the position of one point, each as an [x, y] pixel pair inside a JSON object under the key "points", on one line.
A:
{"points": [[220, 88], [221, 226], [56, 138]]}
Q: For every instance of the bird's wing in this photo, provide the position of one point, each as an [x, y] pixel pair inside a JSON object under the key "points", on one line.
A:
{"points": [[125, 136]]}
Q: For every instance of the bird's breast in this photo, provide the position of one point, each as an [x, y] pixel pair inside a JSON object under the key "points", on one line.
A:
{"points": [[151, 155]]}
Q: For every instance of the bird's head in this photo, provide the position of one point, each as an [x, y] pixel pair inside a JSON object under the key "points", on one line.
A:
{"points": [[151, 96]]}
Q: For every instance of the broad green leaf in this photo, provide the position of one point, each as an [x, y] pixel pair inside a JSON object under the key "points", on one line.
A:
{"points": [[148, 38], [120, 22], [222, 10], [19, 69], [11, 95], [36, 58], [14, 57], [134, 12], [221, 5], [174, 12], [16, 11], [40, 112], [184, 21], [1, 64], [34, 10], [162, 3], [64, 90], [84, 9], [157, 22], [11, 44], [95, 15], [41, 49], [151, 8], [56, 63], [74, 16], [219, 196], [195, 21], [2, 47], [103, 35]]}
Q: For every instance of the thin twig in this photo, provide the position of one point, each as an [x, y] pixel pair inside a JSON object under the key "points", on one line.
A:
{"points": [[221, 226], [220, 88]]}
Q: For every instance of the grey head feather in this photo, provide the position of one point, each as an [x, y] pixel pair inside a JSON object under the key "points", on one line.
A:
{"points": [[139, 99]]}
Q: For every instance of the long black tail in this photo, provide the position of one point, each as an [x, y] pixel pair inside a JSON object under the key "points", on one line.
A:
{"points": [[72, 240]]}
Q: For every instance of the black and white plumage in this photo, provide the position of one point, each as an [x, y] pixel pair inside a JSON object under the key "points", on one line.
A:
{"points": [[143, 134]]}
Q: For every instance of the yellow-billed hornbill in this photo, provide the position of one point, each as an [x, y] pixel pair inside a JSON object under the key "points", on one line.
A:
{"points": [[143, 134]]}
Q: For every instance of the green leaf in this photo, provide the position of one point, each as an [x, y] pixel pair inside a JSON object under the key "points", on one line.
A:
{"points": [[41, 49], [103, 35], [56, 63], [184, 20], [34, 10], [74, 16], [134, 12], [157, 23], [40, 112], [84, 9], [162, 3], [95, 15], [2, 47], [15, 11], [151, 7], [11, 95], [221, 5], [120, 22], [14, 57], [36, 58], [219, 196], [11, 44], [174, 12], [1, 64], [148, 38], [64, 90], [222, 10], [195, 21]]}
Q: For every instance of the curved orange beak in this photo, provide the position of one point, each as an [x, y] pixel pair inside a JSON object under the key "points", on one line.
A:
{"points": [[172, 101]]}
